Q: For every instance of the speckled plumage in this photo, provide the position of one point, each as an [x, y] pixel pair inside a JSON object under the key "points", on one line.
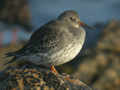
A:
{"points": [[55, 43]]}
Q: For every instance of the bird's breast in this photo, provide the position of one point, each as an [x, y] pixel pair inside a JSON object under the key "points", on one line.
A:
{"points": [[67, 53]]}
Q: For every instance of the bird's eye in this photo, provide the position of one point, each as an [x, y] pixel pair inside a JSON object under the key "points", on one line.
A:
{"points": [[73, 19]]}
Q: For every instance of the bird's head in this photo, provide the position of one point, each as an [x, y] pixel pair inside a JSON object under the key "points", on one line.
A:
{"points": [[72, 17]]}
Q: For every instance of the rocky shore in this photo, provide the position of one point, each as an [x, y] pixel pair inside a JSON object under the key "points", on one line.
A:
{"points": [[35, 78]]}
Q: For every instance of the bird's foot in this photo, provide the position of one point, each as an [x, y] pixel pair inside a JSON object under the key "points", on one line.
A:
{"points": [[54, 71], [52, 68]]}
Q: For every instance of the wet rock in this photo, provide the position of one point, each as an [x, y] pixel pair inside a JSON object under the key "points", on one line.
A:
{"points": [[35, 78]]}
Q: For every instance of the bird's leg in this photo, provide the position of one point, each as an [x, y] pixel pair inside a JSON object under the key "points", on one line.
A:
{"points": [[54, 71], [52, 68]]}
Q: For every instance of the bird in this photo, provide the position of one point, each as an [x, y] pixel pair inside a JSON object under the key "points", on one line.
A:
{"points": [[56, 42]]}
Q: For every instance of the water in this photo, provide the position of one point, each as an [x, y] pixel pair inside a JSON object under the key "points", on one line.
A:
{"points": [[90, 11]]}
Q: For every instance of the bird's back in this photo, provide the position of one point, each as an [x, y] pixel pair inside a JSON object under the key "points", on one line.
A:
{"points": [[52, 36]]}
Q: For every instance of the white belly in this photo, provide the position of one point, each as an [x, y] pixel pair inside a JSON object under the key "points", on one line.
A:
{"points": [[66, 54]]}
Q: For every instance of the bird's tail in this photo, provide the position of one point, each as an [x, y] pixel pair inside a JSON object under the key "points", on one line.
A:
{"points": [[11, 61], [10, 54]]}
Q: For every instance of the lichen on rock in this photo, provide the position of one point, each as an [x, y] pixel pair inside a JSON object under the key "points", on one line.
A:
{"points": [[35, 78]]}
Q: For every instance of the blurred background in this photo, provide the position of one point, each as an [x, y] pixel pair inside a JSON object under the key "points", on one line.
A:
{"points": [[98, 63]]}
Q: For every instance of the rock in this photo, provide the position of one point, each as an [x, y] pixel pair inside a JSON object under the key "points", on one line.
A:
{"points": [[36, 78], [101, 65], [15, 12]]}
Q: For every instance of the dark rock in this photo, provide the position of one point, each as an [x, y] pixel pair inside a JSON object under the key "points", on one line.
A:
{"points": [[35, 78], [15, 12]]}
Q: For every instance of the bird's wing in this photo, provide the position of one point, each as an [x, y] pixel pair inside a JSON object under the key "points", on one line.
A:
{"points": [[43, 40]]}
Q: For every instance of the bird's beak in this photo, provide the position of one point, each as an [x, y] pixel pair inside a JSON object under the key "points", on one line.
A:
{"points": [[85, 25]]}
